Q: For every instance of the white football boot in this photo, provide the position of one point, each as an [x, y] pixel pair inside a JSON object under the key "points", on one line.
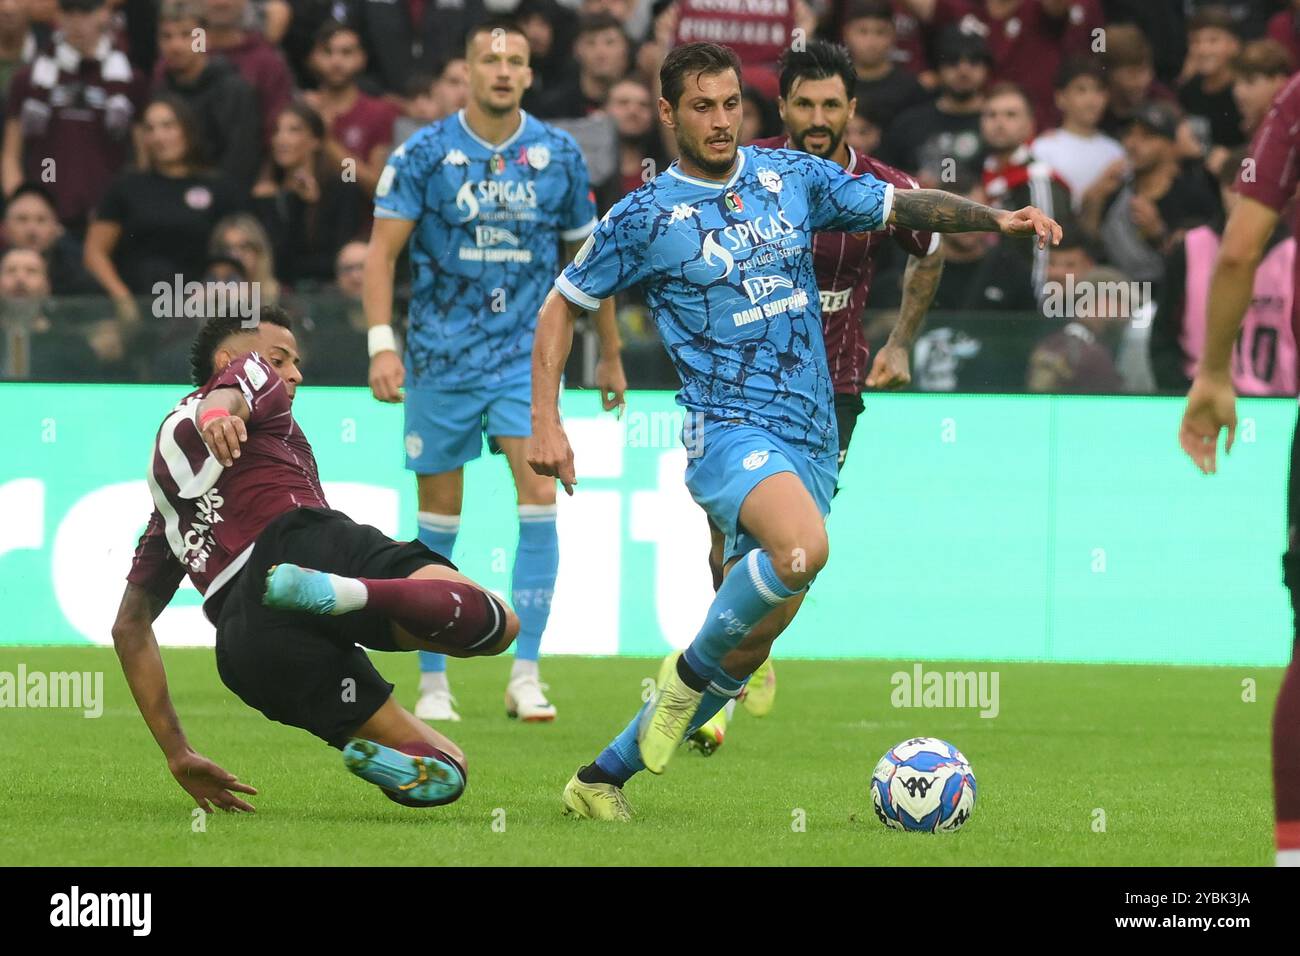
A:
{"points": [[526, 701], [437, 704]]}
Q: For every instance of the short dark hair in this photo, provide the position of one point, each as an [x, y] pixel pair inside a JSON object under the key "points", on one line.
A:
{"points": [[703, 58], [598, 22], [329, 30], [1213, 18], [1074, 67], [1007, 88], [506, 25], [32, 188], [1263, 58], [869, 10], [819, 60], [217, 329]]}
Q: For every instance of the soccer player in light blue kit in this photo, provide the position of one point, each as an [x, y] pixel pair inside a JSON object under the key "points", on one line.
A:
{"points": [[484, 198], [721, 244]]}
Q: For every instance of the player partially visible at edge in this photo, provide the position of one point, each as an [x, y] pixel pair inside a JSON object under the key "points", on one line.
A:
{"points": [[816, 102], [238, 506], [721, 243], [484, 197], [1266, 186]]}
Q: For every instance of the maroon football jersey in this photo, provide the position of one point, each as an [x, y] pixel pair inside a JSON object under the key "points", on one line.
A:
{"points": [[1273, 176], [844, 263], [206, 517]]}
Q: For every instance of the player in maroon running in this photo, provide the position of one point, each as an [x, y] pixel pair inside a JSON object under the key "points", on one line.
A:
{"points": [[291, 585], [816, 104], [1266, 186]]}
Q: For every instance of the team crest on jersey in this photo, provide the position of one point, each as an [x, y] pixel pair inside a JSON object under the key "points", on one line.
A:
{"points": [[770, 180], [754, 460], [734, 202], [455, 157], [497, 164], [539, 157], [256, 377], [414, 445]]}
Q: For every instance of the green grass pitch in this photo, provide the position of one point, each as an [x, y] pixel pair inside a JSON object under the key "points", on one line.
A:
{"points": [[1170, 760]]}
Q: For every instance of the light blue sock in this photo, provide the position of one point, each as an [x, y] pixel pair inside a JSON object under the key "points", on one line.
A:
{"points": [[437, 533], [622, 758], [537, 560], [750, 590]]}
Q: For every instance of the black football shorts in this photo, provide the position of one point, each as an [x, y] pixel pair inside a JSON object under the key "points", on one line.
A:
{"points": [[301, 669]]}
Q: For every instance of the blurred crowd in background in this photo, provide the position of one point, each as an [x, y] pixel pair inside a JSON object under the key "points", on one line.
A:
{"points": [[128, 158]]}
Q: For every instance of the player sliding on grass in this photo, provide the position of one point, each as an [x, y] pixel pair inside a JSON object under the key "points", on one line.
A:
{"points": [[238, 506], [722, 245], [816, 102], [1266, 187]]}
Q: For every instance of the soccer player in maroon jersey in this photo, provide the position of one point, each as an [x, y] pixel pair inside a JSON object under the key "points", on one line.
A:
{"points": [[816, 103], [1266, 186], [291, 585]]}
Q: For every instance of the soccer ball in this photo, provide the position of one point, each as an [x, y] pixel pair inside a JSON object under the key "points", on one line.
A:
{"points": [[923, 784]]}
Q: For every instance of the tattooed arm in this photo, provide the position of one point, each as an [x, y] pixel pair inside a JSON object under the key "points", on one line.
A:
{"points": [[934, 210], [891, 367]]}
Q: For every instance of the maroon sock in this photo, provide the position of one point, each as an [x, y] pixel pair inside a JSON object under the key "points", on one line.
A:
{"points": [[1286, 759], [450, 612]]}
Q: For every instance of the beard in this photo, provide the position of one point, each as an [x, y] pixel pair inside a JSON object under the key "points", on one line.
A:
{"points": [[961, 96], [833, 138], [714, 167]]}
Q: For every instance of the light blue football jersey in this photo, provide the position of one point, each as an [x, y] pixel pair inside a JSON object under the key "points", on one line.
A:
{"points": [[488, 224], [727, 271]]}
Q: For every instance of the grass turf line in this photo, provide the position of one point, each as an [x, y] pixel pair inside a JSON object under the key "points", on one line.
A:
{"points": [[1177, 761]]}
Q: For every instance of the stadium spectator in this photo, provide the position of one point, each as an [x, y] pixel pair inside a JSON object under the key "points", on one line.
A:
{"points": [[931, 140], [1261, 71], [359, 128], [884, 88], [38, 342], [451, 90], [632, 109], [300, 37], [308, 208], [224, 104], [17, 42], [1164, 24], [69, 114], [335, 329], [242, 237], [1080, 358], [603, 54], [31, 222], [428, 99], [761, 117], [758, 32], [1140, 205], [1070, 258], [1207, 94], [152, 225], [260, 63], [550, 28], [412, 36], [1013, 177], [1264, 361], [1284, 27], [1027, 39], [863, 133], [1077, 150], [1131, 78]]}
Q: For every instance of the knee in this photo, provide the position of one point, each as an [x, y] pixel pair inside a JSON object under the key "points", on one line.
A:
{"points": [[801, 559]]}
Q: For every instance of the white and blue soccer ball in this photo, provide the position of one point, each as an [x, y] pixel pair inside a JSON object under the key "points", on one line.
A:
{"points": [[923, 784]]}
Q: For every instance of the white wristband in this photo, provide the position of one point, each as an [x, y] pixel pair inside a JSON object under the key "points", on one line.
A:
{"points": [[380, 338]]}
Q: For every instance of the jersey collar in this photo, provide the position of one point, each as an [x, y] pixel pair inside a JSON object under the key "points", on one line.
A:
{"points": [[707, 184], [496, 147]]}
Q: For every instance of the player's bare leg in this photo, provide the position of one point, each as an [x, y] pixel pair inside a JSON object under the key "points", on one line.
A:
{"points": [[440, 497], [781, 515], [533, 581]]}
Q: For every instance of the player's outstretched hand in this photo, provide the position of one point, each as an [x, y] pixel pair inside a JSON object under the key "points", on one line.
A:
{"points": [[890, 368], [386, 376], [223, 435], [208, 784], [1031, 221], [1211, 406], [612, 383], [550, 454]]}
